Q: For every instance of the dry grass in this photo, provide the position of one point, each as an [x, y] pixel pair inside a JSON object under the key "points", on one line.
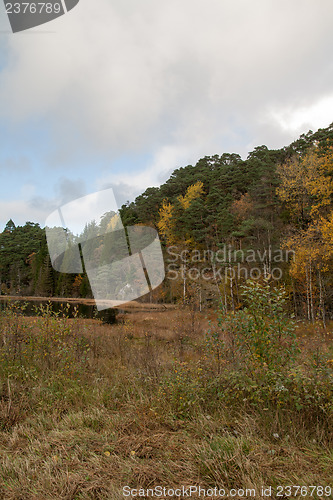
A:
{"points": [[111, 415], [92, 454]]}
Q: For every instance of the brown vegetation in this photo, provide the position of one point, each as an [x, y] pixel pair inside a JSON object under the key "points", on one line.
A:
{"points": [[86, 409]]}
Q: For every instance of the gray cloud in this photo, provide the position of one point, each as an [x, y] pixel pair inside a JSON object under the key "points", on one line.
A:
{"points": [[68, 190], [180, 78], [15, 164]]}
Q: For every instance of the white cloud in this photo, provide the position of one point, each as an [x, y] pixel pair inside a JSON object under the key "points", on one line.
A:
{"points": [[127, 186], [36, 207], [317, 115], [177, 79], [21, 211]]}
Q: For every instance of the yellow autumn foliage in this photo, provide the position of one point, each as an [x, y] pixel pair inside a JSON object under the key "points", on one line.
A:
{"points": [[165, 224], [115, 223], [194, 191], [307, 189], [306, 183]]}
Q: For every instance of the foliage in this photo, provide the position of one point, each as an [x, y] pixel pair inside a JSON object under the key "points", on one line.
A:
{"points": [[49, 342], [125, 401], [261, 335], [272, 200], [259, 345]]}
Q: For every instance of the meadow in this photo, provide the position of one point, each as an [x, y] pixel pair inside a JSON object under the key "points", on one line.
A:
{"points": [[170, 397]]}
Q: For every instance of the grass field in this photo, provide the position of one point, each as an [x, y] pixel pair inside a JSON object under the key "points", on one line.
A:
{"points": [[87, 409]]}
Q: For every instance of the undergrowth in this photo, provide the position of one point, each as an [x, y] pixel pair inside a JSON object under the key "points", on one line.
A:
{"points": [[86, 408]]}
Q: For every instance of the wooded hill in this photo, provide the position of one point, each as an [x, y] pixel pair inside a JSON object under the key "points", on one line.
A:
{"points": [[220, 221]]}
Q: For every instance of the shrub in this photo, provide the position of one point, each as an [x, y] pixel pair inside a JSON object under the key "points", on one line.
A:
{"points": [[261, 335]]}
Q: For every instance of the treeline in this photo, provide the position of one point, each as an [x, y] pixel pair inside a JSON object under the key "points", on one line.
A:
{"points": [[220, 221], [225, 219], [26, 269]]}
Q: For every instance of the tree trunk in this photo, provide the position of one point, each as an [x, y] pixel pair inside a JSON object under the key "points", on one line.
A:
{"points": [[321, 299]]}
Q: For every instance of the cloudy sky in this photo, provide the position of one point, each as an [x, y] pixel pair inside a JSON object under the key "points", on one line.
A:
{"points": [[119, 93]]}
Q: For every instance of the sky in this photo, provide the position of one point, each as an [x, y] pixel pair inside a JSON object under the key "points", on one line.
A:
{"points": [[119, 93]]}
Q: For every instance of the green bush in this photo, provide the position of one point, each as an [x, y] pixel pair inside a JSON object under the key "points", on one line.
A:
{"points": [[261, 335]]}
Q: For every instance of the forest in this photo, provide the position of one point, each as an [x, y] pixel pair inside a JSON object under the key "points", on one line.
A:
{"points": [[221, 221], [223, 381]]}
